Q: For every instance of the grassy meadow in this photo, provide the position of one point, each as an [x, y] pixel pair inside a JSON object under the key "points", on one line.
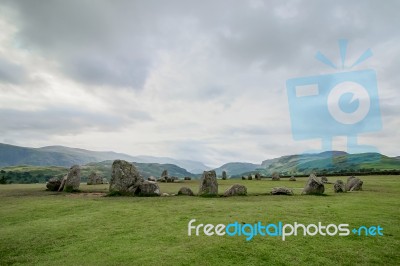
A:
{"points": [[49, 228]]}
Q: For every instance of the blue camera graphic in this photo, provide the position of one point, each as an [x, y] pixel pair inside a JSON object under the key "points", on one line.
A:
{"points": [[338, 104]]}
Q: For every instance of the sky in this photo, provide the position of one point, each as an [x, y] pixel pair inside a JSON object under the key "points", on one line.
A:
{"points": [[198, 80]]}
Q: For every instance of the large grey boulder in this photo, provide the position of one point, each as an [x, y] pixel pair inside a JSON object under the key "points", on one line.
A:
{"points": [[73, 179], [236, 190], [185, 191], [125, 178], [282, 191], [208, 184], [314, 186], [94, 179], [224, 175], [275, 176], [292, 178], [354, 184], [257, 176], [339, 186], [53, 184], [148, 189]]}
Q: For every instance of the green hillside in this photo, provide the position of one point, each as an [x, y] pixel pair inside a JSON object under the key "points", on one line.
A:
{"points": [[236, 168], [11, 155], [41, 174], [328, 163]]}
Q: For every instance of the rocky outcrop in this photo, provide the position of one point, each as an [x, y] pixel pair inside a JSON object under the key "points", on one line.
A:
{"points": [[313, 186], [125, 178], [185, 191], [282, 191], [73, 179], [339, 186], [354, 184], [53, 184], [236, 190], [208, 184], [94, 179]]}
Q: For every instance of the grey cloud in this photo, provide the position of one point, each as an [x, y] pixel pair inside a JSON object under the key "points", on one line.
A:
{"points": [[115, 42], [11, 73], [64, 121]]}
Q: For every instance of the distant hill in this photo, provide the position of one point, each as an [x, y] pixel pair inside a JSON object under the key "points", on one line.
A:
{"points": [[236, 168], [11, 155], [36, 174], [329, 162]]}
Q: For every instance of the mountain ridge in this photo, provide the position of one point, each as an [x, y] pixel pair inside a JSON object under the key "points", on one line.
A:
{"points": [[57, 155]]}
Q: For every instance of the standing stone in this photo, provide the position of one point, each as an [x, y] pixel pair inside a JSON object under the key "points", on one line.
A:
{"points": [[314, 186], [125, 178], [94, 179], [236, 190], [208, 184], [148, 189], [53, 184], [292, 178], [224, 175], [73, 179], [151, 178], [164, 175], [250, 177], [105, 181], [275, 176], [324, 179], [185, 191], [339, 186], [282, 191], [244, 178], [257, 176], [63, 180], [354, 184], [187, 178]]}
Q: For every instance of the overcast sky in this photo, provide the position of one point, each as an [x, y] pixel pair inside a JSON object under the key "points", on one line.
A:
{"points": [[200, 80]]}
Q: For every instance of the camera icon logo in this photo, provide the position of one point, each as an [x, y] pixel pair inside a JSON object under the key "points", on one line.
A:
{"points": [[339, 104]]}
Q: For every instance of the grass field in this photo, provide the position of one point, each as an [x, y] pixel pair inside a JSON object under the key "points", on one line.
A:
{"points": [[48, 228]]}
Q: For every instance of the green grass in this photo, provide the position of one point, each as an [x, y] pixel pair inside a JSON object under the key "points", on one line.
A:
{"points": [[49, 228]]}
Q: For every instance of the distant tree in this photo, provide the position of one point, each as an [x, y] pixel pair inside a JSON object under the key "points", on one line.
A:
{"points": [[3, 179]]}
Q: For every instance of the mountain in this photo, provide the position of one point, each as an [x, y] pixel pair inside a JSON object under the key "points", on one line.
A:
{"points": [[145, 169], [236, 168], [192, 166], [65, 156], [36, 174], [332, 161]]}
